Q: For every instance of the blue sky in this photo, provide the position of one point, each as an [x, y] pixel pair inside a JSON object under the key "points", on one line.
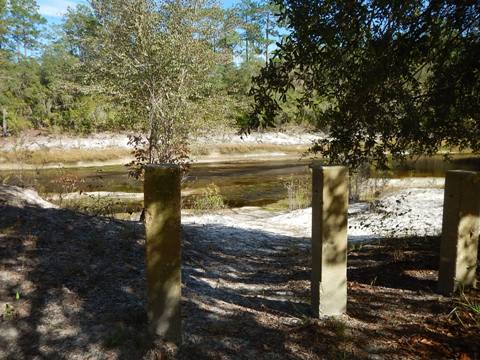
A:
{"points": [[53, 10]]}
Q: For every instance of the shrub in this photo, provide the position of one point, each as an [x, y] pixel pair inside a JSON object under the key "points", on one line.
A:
{"points": [[299, 193], [466, 310], [210, 200], [366, 186]]}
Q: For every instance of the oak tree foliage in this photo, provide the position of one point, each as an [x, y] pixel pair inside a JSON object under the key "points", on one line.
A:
{"points": [[385, 78]]}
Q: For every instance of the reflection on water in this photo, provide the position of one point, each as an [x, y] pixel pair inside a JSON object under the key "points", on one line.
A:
{"points": [[436, 166], [241, 183]]}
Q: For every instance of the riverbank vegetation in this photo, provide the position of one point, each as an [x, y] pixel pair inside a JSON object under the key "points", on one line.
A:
{"points": [[55, 77], [62, 156], [170, 80], [24, 158]]}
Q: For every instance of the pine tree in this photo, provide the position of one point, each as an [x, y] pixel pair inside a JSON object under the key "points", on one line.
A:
{"points": [[24, 26]]}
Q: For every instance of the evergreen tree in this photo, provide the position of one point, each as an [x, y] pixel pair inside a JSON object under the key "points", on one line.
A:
{"points": [[249, 12], [270, 27], [3, 25], [24, 26]]}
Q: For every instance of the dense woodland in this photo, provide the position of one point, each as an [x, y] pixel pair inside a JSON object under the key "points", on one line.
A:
{"points": [[52, 76], [383, 78]]}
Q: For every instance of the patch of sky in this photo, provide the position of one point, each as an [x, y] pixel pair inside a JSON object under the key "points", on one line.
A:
{"points": [[53, 10]]}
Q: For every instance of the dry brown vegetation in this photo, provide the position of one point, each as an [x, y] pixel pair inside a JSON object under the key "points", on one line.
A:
{"points": [[72, 156], [63, 156]]}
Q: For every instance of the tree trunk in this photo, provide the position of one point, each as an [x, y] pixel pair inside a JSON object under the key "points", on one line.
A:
{"points": [[267, 31], [246, 40], [4, 123]]}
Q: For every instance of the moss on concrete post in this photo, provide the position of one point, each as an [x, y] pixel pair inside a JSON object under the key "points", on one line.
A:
{"points": [[460, 231], [163, 250], [329, 240]]}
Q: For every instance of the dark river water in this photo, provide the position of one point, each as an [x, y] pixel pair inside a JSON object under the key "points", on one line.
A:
{"points": [[240, 183]]}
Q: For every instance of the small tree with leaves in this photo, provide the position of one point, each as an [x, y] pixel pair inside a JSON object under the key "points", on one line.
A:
{"points": [[149, 56]]}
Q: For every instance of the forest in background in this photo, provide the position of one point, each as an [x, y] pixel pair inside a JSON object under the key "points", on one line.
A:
{"points": [[47, 81]]}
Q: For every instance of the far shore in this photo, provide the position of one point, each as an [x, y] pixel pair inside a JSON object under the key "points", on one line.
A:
{"points": [[27, 152], [213, 158], [35, 150]]}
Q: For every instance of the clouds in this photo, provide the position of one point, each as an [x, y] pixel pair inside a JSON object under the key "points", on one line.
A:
{"points": [[55, 8]]}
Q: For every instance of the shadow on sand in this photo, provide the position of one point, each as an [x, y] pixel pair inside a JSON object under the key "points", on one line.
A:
{"points": [[81, 281]]}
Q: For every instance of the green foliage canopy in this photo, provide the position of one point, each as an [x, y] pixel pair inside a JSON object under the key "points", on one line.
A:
{"points": [[388, 78]]}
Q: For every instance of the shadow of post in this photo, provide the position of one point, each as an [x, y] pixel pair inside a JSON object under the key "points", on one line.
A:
{"points": [[82, 285], [81, 281]]}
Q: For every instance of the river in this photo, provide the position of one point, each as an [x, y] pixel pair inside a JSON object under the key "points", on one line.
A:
{"points": [[252, 183]]}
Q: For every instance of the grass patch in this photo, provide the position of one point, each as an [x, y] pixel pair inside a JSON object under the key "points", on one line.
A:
{"points": [[229, 149], [299, 195], [72, 156], [209, 200], [338, 327], [64, 156], [466, 311], [101, 206]]}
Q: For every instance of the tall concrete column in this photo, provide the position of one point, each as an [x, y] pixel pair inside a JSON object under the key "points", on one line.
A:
{"points": [[329, 240], [163, 250], [460, 231]]}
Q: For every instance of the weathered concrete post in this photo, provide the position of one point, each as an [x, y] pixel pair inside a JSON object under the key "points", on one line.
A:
{"points": [[163, 250], [460, 231], [329, 240]]}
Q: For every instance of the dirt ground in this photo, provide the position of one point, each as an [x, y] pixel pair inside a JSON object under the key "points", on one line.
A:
{"points": [[72, 287]]}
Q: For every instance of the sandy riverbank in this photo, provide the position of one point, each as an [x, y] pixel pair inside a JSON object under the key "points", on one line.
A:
{"points": [[399, 213], [114, 140], [81, 280]]}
